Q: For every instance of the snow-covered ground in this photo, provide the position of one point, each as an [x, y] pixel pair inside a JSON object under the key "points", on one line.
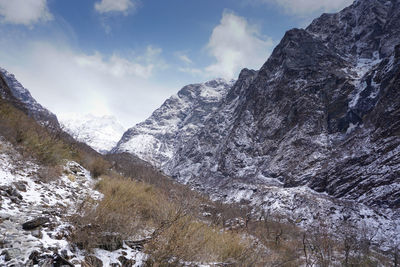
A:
{"points": [[25, 197]]}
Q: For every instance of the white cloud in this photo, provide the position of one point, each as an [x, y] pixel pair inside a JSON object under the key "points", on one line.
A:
{"points": [[119, 66], [26, 12], [307, 7], [66, 80], [105, 6], [236, 44], [183, 57]]}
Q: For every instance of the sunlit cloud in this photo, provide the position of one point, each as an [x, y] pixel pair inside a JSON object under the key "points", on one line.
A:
{"points": [[236, 44], [25, 12]]}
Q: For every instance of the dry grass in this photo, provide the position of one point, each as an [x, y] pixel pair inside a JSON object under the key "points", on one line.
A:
{"points": [[49, 147], [190, 240], [128, 208], [34, 140]]}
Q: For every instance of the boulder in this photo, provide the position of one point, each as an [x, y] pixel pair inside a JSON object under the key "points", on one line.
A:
{"points": [[32, 224], [21, 186]]}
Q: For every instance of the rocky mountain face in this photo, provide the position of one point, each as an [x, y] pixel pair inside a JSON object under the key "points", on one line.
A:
{"points": [[313, 133], [321, 112], [100, 132], [13, 91], [179, 119]]}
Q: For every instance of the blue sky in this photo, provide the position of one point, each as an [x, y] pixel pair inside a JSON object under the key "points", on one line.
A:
{"points": [[125, 57]]}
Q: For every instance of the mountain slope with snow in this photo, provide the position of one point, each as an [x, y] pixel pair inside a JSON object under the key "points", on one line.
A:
{"points": [[25, 100], [177, 120], [101, 133], [320, 112]]}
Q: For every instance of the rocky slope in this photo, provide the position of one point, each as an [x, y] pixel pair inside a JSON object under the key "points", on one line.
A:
{"points": [[176, 121], [322, 113], [34, 210], [101, 133], [13, 91]]}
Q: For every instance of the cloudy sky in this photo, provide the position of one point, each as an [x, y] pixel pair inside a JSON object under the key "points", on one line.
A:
{"points": [[125, 57]]}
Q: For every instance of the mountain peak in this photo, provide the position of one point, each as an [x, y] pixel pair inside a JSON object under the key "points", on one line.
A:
{"points": [[100, 132], [156, 139]]}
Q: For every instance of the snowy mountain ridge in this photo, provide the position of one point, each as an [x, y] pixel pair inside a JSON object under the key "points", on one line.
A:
{"points": [[100, 132]]}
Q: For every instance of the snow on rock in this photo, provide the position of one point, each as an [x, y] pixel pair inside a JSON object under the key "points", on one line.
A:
{"points": [[309, 209], [25, 197], [179, 118], [100, 132]]}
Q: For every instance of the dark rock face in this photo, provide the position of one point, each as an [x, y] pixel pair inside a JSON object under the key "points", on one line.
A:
{"points": [[35, 223], [323, 111]]}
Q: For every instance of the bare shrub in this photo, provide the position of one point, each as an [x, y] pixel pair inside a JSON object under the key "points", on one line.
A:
{"points": [[98, 167]]}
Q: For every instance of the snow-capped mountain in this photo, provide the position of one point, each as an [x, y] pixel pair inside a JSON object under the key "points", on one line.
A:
{"points": [[176, 121], [100, 132], [318, 123], [22, 98]]}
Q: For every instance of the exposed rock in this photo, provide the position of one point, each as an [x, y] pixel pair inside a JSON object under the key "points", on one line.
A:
{"points": [[10, 192], [137, 244], [32, 224], [93, 261], [126, 262], [61, 261], [48, 262], [34, 257], [20, 186], [320, 112], [11, 253], [6, 255]]}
